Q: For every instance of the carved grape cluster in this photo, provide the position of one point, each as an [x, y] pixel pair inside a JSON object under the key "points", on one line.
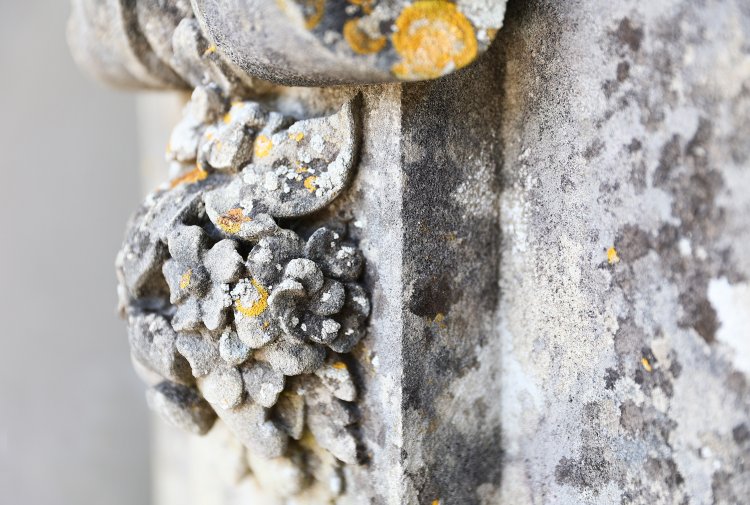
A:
{"points": [[232, 315]]}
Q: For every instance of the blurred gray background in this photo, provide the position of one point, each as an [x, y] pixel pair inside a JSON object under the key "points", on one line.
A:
{"points": [[73, 420]]}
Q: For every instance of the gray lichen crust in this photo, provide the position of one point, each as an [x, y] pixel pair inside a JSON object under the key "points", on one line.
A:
{"points": [[230, 313]]}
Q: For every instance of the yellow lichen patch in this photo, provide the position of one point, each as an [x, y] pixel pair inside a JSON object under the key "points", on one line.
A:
{"points": [[646, 365], [365, 5], [297, 137], [263, 146], [302, 169], [339, 365], [259, 306], [435, 502], [314, 10], [227, 118], [360, 41], [440, 320], [185, 279], [310, 183], [433, 38], [231, 221], [211, 50], [195, 175], [612, 256]]}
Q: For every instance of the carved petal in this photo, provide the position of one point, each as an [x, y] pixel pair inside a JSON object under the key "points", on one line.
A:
{"points": [[302, 169]]}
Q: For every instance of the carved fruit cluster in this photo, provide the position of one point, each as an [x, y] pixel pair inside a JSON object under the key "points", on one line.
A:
{"points": [[231, 315]]}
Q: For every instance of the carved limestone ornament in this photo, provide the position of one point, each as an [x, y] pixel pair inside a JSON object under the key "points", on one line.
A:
{"points": [[156, 43], [232, 313], [243, 302]]}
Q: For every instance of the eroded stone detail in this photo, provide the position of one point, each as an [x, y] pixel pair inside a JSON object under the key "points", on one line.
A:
{"points": [[237, 315], [180, 44]]}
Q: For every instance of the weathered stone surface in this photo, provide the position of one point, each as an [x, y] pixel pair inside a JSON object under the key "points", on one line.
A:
{"points": [[182, 407], [555, 243], [153, 344], [235, 43], [315, 43], [624, 260]]}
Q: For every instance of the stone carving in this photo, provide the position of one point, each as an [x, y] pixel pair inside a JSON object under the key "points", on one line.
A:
{"points": [[293, 42], [353, 41], [233, 315]]}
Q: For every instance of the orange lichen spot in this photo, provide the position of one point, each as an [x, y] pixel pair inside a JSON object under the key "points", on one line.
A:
{"points": [[310, 183], [313, 11], [339, 365], [195, 175], [185, 279], [435, 502], [211, 50], [297, 137], [365, 5], [646, 365], [231, 222], [263, 146], [360, 41], [259, 306], [433, 38], [612, 256]]}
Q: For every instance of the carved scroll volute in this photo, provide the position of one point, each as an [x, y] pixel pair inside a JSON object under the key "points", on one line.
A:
{"points": [[155, 44], [314, 42]]}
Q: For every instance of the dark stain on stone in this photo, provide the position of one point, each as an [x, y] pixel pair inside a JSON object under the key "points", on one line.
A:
{"points": [[634, 146], [592, 469], [610, 378], [700, 315], [609, 87], [476, 457], [629, 35], [741, 433], [566, 184], [623, 71], [675, 368], [431, 296], [458, 278], [632, 243], [687, 173], [593, 150], [646, 423], [665, 470], [671, 153]]}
